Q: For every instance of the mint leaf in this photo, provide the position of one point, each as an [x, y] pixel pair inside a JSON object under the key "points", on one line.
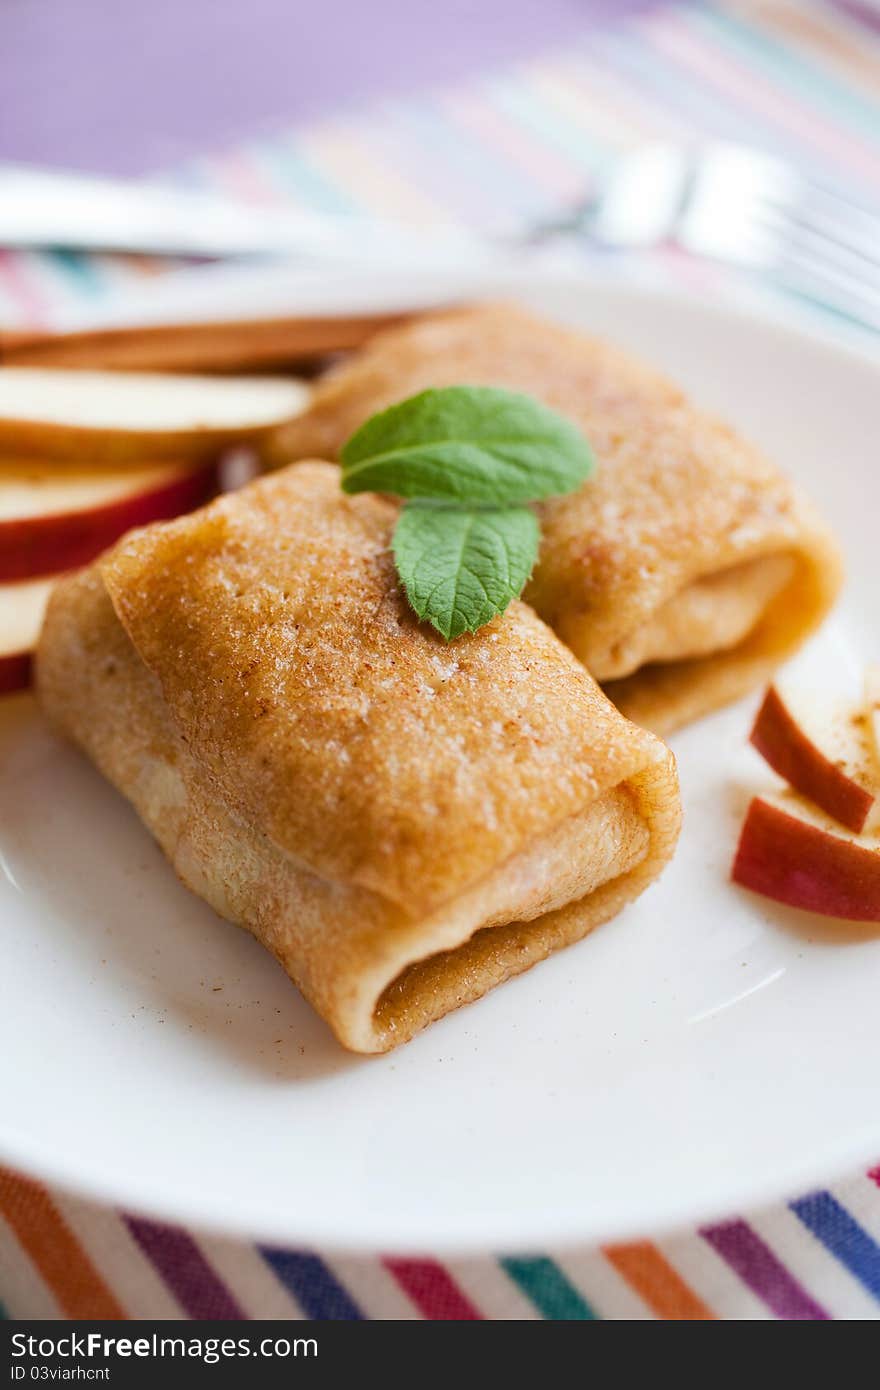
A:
{"points": [[472, 445], [461, 568], [467, 458]]}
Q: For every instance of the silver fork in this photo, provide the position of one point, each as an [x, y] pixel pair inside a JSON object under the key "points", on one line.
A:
{"points": [[723, 201], [743, 207]]}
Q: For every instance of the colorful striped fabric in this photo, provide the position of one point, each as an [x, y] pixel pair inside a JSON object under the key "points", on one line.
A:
{"points": [[816, 1258], [797, 76]]}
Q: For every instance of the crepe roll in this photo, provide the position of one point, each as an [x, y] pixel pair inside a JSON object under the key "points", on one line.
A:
{"points": [[683, 572], [403, 822]]}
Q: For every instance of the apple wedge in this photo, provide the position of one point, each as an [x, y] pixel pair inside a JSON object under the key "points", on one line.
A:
{"points": [[52, 520], [826, 754], [792, 852], [234, 345], [22, 607], [116, 418]]}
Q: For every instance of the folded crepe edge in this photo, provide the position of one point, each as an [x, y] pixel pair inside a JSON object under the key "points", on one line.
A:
{"points": [[665, 696], [343, 945]]}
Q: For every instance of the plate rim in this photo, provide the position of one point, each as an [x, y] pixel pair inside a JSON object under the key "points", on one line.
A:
{"points": [[559, 1237]]}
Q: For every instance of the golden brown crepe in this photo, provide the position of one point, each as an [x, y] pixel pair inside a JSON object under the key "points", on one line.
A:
{"points": [[402, 822], [683, 572]]}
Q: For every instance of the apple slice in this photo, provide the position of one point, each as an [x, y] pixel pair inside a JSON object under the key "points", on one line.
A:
{"points": [[234, 345], [791, 852], [100, 418], [826, 754], [53, 520], [22, 607]]}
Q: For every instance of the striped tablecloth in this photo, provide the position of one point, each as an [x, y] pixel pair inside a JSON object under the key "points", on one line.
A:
{"points": [[800, 77]]}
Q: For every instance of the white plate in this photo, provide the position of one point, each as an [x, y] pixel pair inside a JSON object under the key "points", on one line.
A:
{"points": [[705, 1050]]}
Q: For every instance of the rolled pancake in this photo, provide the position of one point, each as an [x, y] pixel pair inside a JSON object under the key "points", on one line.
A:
{"points": [[683, 572], [402, 822]]}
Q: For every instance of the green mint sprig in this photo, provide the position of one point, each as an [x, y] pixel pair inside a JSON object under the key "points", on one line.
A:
{"points": [[467, 459]]}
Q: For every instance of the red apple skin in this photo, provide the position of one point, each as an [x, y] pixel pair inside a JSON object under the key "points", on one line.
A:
{"points": [[793, 862], [784, 745], [32, 546], [15, 672]]}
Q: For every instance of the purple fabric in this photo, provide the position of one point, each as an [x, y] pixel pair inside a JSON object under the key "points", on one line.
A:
{"points": [[126, 88], [200, 1292], [758, 1267], [862, 10]]}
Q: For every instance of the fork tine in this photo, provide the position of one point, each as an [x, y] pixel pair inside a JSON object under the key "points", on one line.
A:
{"points": [[856, 232], [790, 230], [816, 279], [840, 197], [751, 209]]}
